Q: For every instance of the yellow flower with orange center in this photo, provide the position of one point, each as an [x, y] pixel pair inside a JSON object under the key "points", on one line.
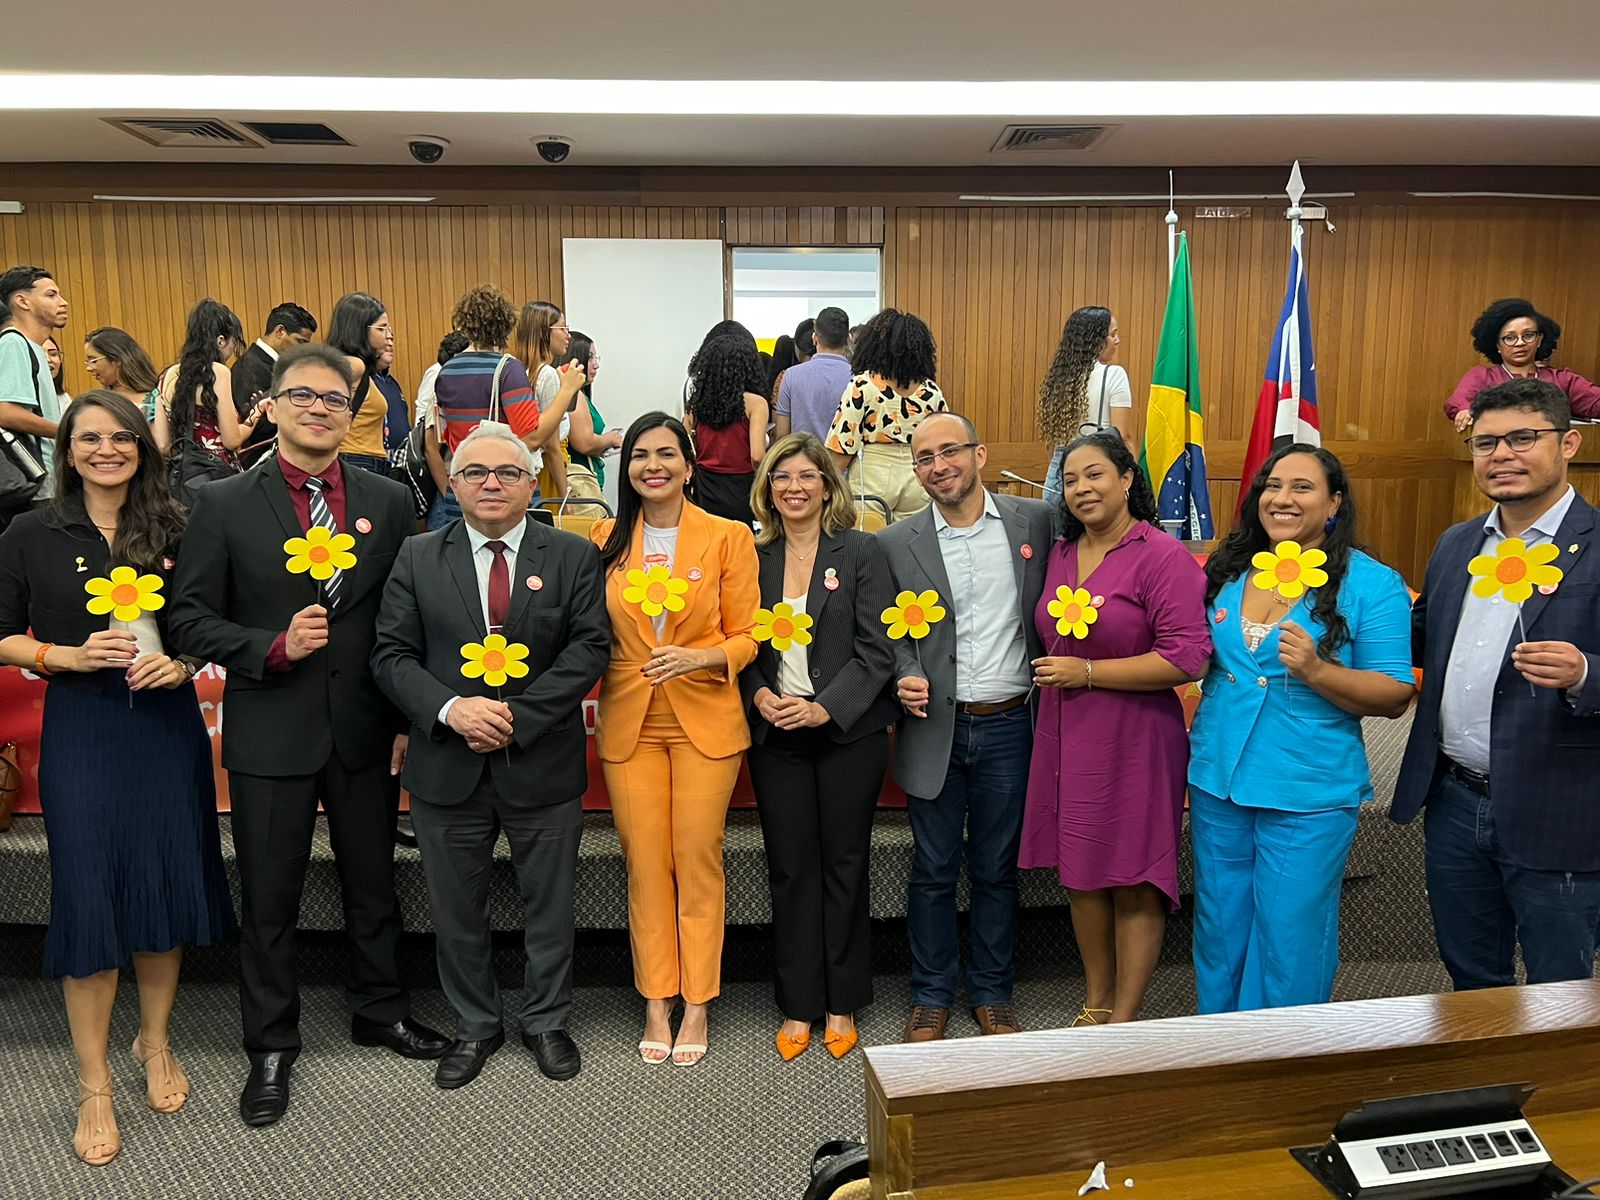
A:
{"points": [[321, 552], [782, 626], [125, 595], [655, 590], [494, 660], [1515, 569], [1074, 611], [1289, 570], [912, 614]]}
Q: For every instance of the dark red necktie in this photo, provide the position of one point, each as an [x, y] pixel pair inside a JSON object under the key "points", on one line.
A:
{"points": [[499, 587]]}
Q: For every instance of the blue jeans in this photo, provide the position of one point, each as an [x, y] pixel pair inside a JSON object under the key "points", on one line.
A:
{"points": [[376, 463], [979, 809], [1483, 904]]}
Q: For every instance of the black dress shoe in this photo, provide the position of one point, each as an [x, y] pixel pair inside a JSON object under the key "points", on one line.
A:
{"points": [[266, 1093], [404, 834], [556, 1053], [463, 1060], [407, 1038]]}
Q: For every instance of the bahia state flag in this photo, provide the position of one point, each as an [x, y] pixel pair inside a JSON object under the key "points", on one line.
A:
{"points": [[1174, 455], [1286, 411]]}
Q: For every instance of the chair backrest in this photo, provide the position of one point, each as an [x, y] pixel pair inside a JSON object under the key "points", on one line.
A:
{"points": [[593, 509], [870, 520], [867, 502], [575, 523]]}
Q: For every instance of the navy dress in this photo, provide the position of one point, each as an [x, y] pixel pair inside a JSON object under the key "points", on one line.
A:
{"points": [[125, 778]]}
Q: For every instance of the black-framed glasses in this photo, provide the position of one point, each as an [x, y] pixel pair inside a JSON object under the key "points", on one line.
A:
{"points": [[477, 475], [306, 397], [1484, 444], [122, 439], [948, 454], [1512, 339]]}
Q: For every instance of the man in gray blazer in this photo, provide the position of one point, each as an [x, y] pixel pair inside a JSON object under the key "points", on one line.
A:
{"points": [[961, 751], [501, 749]]}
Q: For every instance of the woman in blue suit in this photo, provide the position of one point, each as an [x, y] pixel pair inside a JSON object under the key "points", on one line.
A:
{"points": [[1304, 648]]}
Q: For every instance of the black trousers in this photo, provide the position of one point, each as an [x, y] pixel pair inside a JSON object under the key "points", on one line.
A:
{"points": [[817, 799], [273, 822]]}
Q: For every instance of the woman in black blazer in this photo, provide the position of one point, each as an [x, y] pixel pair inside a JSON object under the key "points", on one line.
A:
{"points": [[125, 777], [819, 702]]}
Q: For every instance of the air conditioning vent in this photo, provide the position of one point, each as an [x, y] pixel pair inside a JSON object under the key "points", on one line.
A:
{"points": [[295, 133], [186, 133], [1034, 139]]}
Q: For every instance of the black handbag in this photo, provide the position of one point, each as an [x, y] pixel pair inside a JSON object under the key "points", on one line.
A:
{"points": [[22, 470], [411, 468], [835, 1164], [190, 466]]}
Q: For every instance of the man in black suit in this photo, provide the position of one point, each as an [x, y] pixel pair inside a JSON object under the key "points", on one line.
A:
{"points": [[306, 723], [1505, 746], [502, 749], [288, 325]]}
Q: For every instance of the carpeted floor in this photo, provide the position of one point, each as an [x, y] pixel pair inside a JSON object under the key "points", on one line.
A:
{"points": [[367, 1124]]}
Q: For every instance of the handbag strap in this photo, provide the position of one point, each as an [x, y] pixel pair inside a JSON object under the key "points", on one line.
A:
{"points": [[494, 388]]}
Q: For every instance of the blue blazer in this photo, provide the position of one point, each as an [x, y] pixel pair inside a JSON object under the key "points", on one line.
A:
{"points": [[1266, 740], [1544, 753]]}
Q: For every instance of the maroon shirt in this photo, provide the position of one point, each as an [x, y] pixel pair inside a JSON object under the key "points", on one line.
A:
{"points": [[300, 496]]}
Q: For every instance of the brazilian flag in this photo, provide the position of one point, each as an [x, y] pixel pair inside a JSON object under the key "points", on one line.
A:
{"points": [[1174, 455]]}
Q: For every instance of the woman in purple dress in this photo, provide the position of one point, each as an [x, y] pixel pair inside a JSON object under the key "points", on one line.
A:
{"points": [[1123, 616]]}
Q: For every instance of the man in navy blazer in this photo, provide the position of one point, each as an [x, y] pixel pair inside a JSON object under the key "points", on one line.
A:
{"points": [[1505, 747]]}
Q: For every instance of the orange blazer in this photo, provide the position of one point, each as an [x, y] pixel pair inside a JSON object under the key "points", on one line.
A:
{"points": [[717, 558]]}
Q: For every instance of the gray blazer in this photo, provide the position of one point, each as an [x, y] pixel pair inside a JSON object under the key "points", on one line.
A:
{"points": [[922, 744]]}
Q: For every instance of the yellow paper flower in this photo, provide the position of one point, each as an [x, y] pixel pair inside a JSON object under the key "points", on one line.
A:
{"points": [[1515, 569], [1289, 570], [1074, 611], [125, 595], [320, 552], [655, 590], [782, 626], [494, 660], [913, 614]]}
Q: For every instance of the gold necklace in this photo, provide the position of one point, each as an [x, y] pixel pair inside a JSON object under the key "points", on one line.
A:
{"points": [[798, 554]]}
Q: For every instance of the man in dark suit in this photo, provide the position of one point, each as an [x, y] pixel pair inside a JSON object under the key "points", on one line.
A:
{"points": [[288, 325], [961, 751], [500, 750], [306, 723], [1505, 745]]}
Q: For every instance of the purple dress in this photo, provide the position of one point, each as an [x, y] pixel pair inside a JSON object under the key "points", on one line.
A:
{"points": [[1106, 785]]}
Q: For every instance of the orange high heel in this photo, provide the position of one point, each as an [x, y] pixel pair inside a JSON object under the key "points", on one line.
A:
{"points": [[840, 1044], [791, 1048]]}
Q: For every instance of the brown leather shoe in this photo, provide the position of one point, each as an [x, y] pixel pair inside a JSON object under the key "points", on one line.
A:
{"points": [[926, 1024], [996, 1018]]}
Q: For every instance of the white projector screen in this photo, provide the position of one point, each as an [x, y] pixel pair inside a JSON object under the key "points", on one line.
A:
{"points": [[647, 303]]}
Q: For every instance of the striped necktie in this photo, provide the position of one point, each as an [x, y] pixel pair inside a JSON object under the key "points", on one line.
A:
{"points": [[322, 515]]}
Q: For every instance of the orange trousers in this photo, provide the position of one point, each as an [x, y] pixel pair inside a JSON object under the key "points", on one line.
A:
{"points": [[670, 803]]}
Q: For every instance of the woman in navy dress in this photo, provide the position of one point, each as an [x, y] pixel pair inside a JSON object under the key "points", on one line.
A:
{"points": [[125, 777]]}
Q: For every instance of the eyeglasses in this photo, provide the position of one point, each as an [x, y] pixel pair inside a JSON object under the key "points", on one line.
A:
{"points": [[89, 361], [306, 397], [1483, 444], [478, 475], [923, 461], [1512, 339], [386, 330], [562, 327], [122, 439], [782, 479]]}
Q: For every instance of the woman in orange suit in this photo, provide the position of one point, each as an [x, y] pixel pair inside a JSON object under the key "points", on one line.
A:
{"points": [[682, 590]]}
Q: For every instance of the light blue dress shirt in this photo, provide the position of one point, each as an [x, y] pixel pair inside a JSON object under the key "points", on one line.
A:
{"points": [[991, 647]]}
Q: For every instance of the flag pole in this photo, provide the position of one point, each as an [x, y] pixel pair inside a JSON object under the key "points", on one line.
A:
{"points": [[1172, 230], [1296, 190]]}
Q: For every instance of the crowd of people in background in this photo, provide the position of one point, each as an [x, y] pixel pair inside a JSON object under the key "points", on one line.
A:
{"points": [[1028, 656]]}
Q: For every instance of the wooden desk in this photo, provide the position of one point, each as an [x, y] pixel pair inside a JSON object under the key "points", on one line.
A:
{"points": [[1222, 1095]]}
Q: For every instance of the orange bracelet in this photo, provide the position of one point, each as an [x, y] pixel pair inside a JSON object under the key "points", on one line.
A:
{"points": [[38, 659]]}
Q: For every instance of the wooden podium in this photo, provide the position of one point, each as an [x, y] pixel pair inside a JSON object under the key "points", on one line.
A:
{"points": [[1205, 1107]]}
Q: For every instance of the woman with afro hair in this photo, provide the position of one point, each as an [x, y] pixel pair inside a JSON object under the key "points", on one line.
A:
{"points": [[1519, 341], [892, 391], [727, 414]]}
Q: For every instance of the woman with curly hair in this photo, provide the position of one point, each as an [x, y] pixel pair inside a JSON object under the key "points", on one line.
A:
{"points": [[1519, 341], [892, 390], [1083, 387], [1123, 620], [195, 399], [727, 414], [1277, 771]]}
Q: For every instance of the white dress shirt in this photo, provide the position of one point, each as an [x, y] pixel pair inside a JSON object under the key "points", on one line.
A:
{"points": [[482, 559], [991, 645]]}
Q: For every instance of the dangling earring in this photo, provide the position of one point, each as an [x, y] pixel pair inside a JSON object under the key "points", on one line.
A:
{"points": [[1327, 526]]}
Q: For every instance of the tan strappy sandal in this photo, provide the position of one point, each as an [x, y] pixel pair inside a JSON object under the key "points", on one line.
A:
{"points": [[1086, 1016], [173, 1082], [100, 1135]]}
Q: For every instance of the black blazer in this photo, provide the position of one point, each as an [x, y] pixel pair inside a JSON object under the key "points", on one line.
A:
{"points": [[233, 596], [46, 556], [252, 373], [850, 659], [1545, 750], [432, 607]]}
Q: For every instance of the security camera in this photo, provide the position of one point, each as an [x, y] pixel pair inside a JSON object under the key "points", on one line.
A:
{"points": [[426, 148], [554, 148]]}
